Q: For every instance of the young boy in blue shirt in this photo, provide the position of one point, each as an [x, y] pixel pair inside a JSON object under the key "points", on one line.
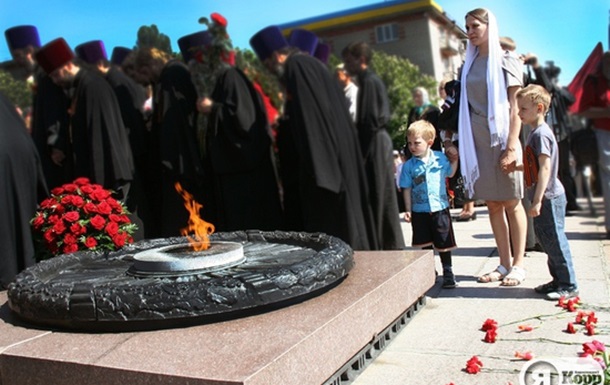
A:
{"points": [[546, 192], [425, 194]]}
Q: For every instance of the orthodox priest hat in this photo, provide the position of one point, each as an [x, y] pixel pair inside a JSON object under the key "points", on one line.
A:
{"points": [[322, 52], [304, 40], [266, 41], [91, 52], [119, 54], [189, 42], [22, 36], [54, 55]]}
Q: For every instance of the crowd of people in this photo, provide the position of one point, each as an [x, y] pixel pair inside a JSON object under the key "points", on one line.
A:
{"points": [[132, 123]]}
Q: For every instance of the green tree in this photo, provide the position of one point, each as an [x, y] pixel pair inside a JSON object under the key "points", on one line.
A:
{"points": [[17, 91], [400, 77], [151, 37]]}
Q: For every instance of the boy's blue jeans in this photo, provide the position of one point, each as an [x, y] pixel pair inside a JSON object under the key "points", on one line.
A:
{"points": [[549, 227]]}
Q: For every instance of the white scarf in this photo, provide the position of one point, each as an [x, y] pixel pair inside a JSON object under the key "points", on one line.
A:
{"points": [[497, 106]]}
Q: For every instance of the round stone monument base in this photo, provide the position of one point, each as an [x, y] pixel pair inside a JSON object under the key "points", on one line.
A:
{"points": [[100, 291]]}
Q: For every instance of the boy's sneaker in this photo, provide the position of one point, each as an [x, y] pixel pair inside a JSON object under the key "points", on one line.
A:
{"points": [[449, 281], [546, 288], [566, 293]]}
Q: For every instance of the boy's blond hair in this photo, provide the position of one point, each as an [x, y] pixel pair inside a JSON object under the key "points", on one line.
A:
{"points": [[536, 94], [422, 128]]}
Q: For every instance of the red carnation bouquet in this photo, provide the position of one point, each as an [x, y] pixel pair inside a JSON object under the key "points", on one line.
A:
{"points": [[211, 59], [80, 216]]}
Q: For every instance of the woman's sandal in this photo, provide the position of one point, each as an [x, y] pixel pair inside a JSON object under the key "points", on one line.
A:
{"points": [[514, 277], [494, 276]]}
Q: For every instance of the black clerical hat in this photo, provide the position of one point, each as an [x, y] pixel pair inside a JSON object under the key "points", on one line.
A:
{"points": [[266, 41], [54, 55], [22, 36], [91, 52], [304, 40], [119, 54], [194, 40], [322, 52]]}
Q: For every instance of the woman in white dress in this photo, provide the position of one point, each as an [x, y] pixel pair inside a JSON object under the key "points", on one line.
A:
{"points": [[489, 141]]}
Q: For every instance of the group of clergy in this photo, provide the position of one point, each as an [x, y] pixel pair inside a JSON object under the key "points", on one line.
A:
{"points": [[330, 174]]}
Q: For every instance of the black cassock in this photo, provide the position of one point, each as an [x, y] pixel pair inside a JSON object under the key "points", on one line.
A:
{"points": [[49, 117], [324, 182], [21, 187], [238, 149], [373, 113], [131, 98], [174, 152], [99, 139]]}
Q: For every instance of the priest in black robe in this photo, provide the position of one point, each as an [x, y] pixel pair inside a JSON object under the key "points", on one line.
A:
{"points": [[174, 155], [323, 149], [243, 185], [131, 97], [97, 140], [21, 187], [49, 101], [373, 113]]}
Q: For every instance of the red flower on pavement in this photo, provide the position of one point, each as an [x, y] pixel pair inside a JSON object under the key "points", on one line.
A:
{"points": [[489, 324], [590, 329], [591, 319], [491, 335], [473, 365], [570, 305], [570, 329], [524, 355], [591, 348], [525, 328]]}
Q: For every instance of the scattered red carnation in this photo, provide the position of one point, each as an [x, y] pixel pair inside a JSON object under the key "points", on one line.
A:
{"points": [[524, 355], [526, 328], [491, 335], [571, 329], [473, 365], [489, 324], [570, 305]]}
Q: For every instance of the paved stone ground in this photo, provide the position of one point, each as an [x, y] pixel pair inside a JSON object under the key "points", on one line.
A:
{"points": [[434, 347]]}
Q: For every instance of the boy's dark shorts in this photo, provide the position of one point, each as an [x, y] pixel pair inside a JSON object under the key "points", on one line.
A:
{"points": [[433, 229]]}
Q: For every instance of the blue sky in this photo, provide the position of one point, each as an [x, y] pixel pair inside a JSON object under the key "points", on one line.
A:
{"points": [[561, 30]]}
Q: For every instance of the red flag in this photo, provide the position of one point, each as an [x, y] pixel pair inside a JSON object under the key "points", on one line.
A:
{"points": [[588, 68]]}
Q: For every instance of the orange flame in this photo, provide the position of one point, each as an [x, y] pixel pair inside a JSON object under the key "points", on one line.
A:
{"points": [[197, 226]]}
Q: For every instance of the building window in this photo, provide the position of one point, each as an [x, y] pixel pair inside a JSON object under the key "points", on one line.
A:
{"points": [[386, 33]]}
